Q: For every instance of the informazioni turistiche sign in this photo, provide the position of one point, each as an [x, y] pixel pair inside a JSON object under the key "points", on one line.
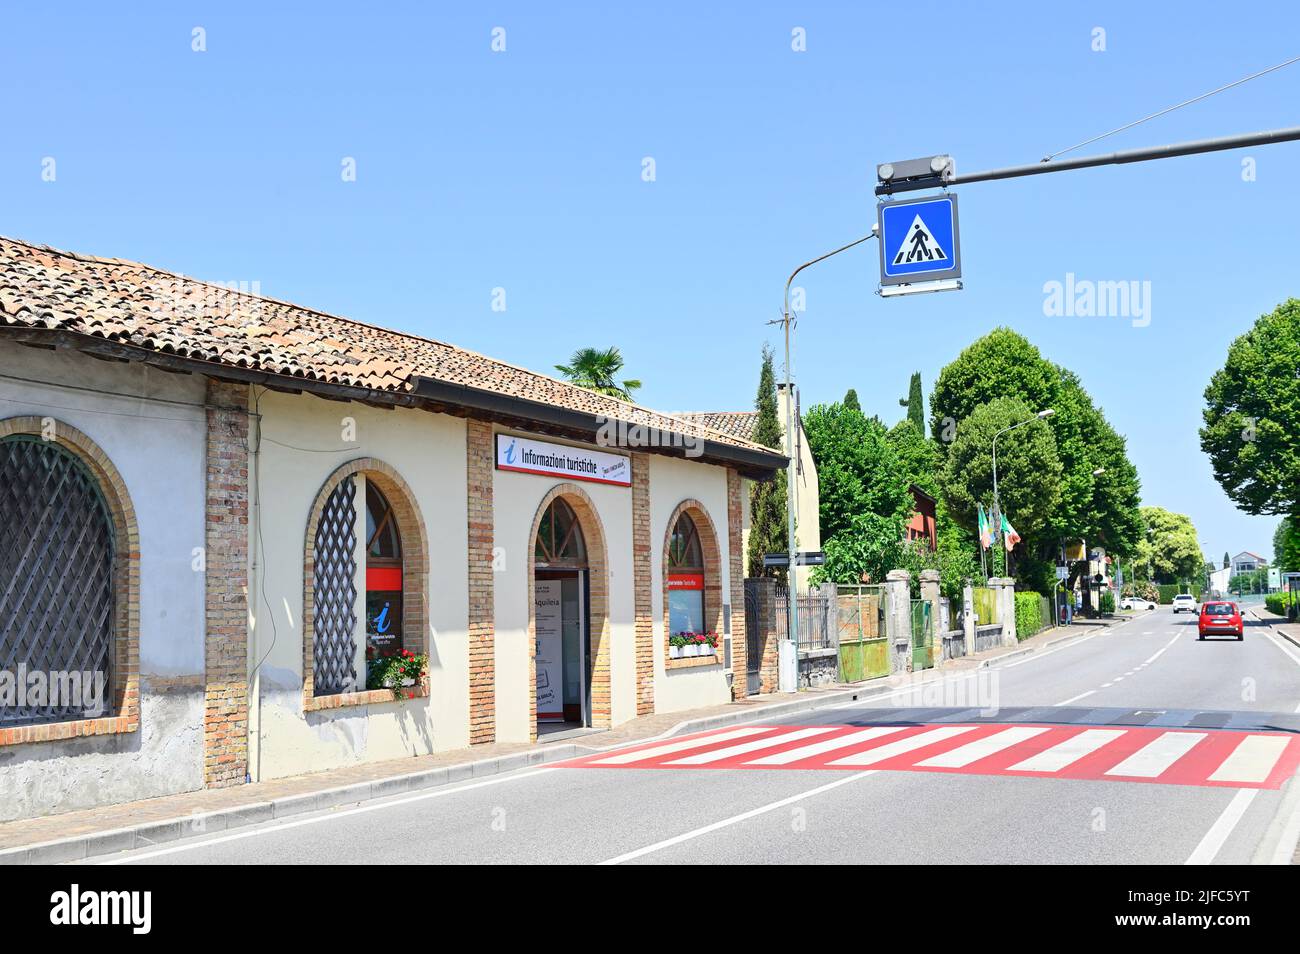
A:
{"points": [[527, 456]]}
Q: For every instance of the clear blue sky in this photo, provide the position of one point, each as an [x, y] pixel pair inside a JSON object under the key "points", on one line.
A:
{"points": [[522, 170]]}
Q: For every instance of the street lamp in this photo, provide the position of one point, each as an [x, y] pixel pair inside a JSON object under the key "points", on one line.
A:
{"points": [[792, 470], [1041, 415]]}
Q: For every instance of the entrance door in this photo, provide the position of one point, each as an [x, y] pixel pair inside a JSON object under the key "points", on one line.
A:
{"points": [[563, 649]]}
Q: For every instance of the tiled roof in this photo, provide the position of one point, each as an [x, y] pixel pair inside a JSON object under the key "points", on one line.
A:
{"points": [[733, 423], [134, 304]]}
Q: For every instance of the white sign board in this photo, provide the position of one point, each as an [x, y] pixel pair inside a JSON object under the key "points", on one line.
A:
{"points": [[1062, 572], [550, 651], [526, 456], [1274, 578]]}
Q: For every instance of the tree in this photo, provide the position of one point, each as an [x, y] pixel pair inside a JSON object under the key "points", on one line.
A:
{"points": [[1227, 560], [598, 370], [915, 403], [1286, 545], [918, 458], [1252, 416], [768, 532], [851, 400], [857, 471], [1029, 470], [870, 545], [1169, 551], [1101, 508]]}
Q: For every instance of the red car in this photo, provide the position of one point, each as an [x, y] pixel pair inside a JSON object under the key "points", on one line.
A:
{"points": [[1220, 616]]}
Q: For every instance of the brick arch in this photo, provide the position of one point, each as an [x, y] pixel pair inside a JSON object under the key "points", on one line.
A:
{"points": [[415, 576], [598, 627], [712, 579], [125, 669]]}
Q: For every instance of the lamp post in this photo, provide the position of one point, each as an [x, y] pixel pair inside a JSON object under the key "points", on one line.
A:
{"points": [[792, 470], [1041, 415]]}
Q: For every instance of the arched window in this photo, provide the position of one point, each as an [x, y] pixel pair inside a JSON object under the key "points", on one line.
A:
{"points": [[383, 575], [338, 554], [365, 599], [57, 592], [559, 538], [685, 578]]}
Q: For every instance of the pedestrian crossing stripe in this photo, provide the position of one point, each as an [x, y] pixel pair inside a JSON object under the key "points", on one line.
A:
{"points": [[1213, 758], [920, 245]]}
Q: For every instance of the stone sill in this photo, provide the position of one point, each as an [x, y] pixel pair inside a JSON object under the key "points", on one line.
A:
{"points": [[367, 697], [75, 729], [691, 662]]}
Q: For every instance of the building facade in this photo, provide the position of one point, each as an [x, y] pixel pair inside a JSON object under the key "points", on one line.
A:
{"points": [[239, 519]]}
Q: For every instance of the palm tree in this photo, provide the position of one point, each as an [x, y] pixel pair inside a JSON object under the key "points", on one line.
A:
{"points": [[597, 370]]}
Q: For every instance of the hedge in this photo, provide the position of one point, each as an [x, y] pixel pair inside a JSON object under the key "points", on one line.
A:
{"points": [[1029, 614], [1276, 603]]}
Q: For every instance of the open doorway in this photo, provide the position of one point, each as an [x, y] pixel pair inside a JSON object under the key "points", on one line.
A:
{"points": [[561, 622]]}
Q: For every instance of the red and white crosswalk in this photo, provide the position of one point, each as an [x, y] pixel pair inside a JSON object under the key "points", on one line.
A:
{"points": [[1124, 754]]}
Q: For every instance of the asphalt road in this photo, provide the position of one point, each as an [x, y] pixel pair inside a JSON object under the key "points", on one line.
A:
{"points": [[1146, 675]]}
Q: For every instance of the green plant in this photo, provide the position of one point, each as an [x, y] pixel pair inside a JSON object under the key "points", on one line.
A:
{"points": [[1106, 604], [392, 671], [1029, 615], [598, 370]]}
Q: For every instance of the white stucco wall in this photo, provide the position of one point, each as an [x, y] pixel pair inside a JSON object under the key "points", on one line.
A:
{"points": [[673, 480], [158, 447], [303, 442], [516, 498]]}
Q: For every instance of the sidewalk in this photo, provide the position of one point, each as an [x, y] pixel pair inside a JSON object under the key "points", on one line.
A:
{"points": [[96, 831], [1278, 624]]}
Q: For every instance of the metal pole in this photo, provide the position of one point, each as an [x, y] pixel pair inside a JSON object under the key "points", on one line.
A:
{"points": [[1191, 148], [792, 470]]}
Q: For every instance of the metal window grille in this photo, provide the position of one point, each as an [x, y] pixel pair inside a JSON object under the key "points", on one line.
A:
{"points": [[335, 593], [56, 583]]}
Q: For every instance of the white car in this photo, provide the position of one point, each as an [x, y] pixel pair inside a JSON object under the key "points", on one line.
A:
{"points": [[1184, 601], [1136, 603]]}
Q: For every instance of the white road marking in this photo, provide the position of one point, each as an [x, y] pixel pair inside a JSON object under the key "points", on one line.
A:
{"points": [[827, 745], [317, 819], [733, 820], [1252, 760], [623, 758], [890, 749], [1162, 649], [1082, 695], [704, 758], [1107, 685], [1152, 759], [1214, 839], [1069, 751], [1280, 645], [964, 755]]}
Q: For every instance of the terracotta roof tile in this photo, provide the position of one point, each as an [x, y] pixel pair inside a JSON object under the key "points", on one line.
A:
{"points": [[136, 304], [739, 424]]}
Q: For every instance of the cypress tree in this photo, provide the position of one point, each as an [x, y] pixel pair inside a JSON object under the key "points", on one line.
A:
{"points": [[914, 403], [851, 400], [767, 511]]}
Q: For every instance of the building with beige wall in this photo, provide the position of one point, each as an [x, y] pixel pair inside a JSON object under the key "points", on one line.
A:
{"points": [[290, 505]]}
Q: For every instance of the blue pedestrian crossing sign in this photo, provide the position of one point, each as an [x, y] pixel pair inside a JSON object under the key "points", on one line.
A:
{"points": [[919, 241]]}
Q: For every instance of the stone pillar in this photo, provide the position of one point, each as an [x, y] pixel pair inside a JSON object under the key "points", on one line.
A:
{"points": [[642, 583], [769, 669], [968, 617], [930, 593], [482, 611], [736, 577], [898, 618], [1005, 588], [225, 721]]}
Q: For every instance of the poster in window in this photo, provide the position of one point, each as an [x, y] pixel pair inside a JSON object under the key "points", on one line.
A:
{"points": [[384, 621], [686, 603], [548, 618]]}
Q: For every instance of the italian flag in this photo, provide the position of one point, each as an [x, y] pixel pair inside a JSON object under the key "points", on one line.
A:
{"points": [[1009, 535], [986, 537]]}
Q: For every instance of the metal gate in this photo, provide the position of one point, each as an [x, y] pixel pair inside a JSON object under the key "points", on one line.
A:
{"points": [[753, 637], [922, 635]]}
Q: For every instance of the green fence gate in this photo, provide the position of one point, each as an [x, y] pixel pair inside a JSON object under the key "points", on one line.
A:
{"points": [[922, 635]]}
